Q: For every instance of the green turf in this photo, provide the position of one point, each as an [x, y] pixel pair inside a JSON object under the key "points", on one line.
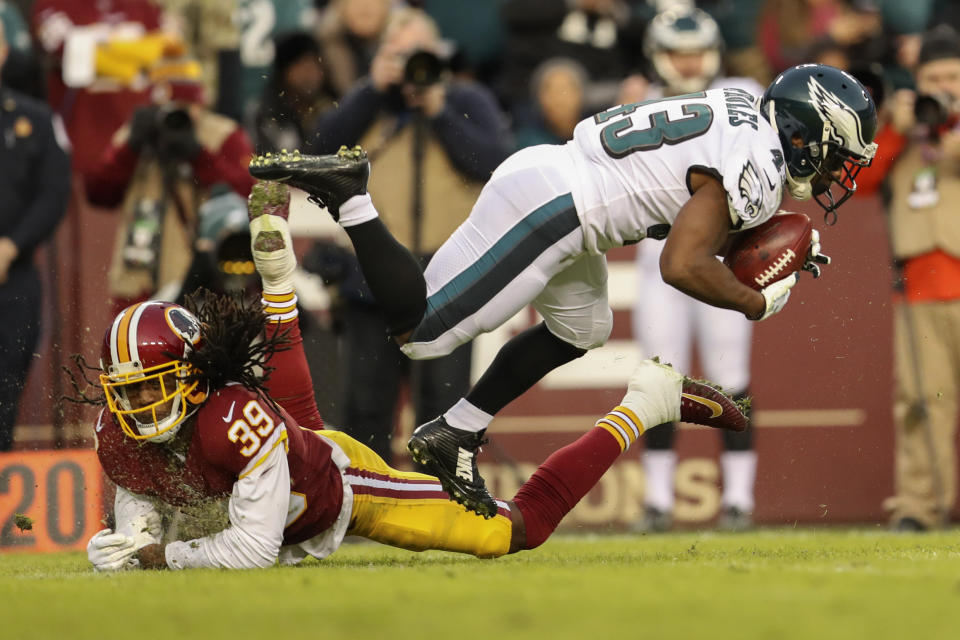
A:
{"points": [[776, 584]]}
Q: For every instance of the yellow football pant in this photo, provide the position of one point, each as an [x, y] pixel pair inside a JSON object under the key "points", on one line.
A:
{"points": [[411, 511]]}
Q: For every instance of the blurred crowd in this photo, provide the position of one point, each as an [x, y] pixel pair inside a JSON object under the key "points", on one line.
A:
{"points": [[279, 68], [161, 103]]}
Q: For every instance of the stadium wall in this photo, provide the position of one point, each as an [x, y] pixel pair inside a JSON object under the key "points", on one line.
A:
{"points": [[822, 386]]}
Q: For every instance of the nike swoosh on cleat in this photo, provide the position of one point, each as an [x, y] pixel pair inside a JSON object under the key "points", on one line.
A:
{"points": [[709, 404], [230, 413]]}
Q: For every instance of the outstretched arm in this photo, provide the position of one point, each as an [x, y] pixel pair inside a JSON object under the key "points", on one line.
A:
{"points": [[137, 526], [258, 511], [689, 262]]}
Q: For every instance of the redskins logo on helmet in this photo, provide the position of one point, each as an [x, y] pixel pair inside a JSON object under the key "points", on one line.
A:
{"points": [[147, 384]]}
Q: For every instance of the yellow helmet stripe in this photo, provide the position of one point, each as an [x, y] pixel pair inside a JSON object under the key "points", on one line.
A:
{"points": [[120, 338]]}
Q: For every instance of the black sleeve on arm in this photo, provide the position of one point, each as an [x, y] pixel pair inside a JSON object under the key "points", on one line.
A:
{"points": [[472, 131], [348, 122], [51, 190]]}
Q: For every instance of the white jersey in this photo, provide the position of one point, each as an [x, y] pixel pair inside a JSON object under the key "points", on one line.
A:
{"points": [[632, 164]]}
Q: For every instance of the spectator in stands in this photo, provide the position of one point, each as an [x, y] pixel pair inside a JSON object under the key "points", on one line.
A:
{"points": [[789, 27], [295, 97], [557, 88], [436, 141], [349, 33], [212, 37], [34, 181], [603, 35], [261, 23], [98, 52], [685, 51], [161, 165], [22, 70], [919, 153]]}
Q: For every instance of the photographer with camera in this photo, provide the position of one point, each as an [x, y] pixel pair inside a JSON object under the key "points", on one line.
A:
{"points": [[160, 166], [919, 161], [436, 140]]}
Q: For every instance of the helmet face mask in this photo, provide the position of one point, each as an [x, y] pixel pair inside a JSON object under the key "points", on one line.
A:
{"points": [[826, 122], [837, 176], [150, 404], [149, 387]]}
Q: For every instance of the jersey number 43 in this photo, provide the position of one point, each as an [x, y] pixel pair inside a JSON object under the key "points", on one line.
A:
{"points": [[620, 139]]}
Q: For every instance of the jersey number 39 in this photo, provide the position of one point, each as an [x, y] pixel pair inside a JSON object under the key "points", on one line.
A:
{"points": [[619, 139], [258, 424]]}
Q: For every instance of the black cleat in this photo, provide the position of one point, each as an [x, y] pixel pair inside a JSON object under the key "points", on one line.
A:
{"points": [[909, 525], [329, 180], [653, 521], [734, 519], [451, 455]]}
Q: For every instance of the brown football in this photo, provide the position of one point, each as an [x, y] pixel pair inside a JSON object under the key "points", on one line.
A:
{"points": [[772, 251]]}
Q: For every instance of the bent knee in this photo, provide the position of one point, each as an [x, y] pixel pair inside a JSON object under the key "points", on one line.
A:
{"points": [[583, 332]]}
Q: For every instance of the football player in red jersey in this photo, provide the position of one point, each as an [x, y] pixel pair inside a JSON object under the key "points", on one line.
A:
{"points": [[189, 419]]}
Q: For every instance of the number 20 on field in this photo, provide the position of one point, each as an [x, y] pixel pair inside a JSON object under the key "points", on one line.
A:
{"points": [[61, 492]]}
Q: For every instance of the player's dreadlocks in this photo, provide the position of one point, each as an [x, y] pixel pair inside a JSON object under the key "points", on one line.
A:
{"points": [[80, 376], [234, 347]]}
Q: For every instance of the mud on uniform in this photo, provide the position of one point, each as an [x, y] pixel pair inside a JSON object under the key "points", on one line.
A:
{"points": [[292, 491], [538, 233]]}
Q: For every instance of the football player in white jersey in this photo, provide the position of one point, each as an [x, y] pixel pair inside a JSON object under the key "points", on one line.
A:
{"points": [[685, 51], [690, 168]]}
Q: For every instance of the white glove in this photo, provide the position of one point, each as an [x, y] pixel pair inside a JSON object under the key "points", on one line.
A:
{"points": [[143, 530], [777, 294], [109, 551], [814, 257]]}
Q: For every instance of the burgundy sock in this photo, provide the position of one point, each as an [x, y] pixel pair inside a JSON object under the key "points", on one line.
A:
{"points": [[562, 480], [290, 383]]}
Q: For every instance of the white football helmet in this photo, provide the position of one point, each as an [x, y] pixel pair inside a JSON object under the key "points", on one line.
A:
{"points": [[684, 30]]}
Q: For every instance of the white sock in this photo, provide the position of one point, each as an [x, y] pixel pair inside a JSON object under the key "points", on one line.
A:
{"points": [[739, 474], [357, 210], [464, 415], [659, 468], [653, 393], [275, 267]]}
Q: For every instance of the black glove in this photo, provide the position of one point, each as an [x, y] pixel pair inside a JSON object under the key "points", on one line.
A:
{"points": [[143, 128]]}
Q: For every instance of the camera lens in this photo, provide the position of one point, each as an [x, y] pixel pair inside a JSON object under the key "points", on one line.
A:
{"points": [[423, 69], [931, 110], [176, 120]]}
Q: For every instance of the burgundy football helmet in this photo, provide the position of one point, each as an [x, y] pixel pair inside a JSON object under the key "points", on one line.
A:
{"points": [[147, 384]]}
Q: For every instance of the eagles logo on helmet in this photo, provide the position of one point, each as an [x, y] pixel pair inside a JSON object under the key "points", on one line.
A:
{"points": [[148, 386], [826, 121]]}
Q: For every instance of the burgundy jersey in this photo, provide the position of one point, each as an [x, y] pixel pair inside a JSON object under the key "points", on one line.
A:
{"points": [[228, 434]]}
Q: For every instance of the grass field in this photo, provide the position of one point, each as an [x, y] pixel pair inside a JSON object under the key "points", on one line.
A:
{"points": [[776, 584]]}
